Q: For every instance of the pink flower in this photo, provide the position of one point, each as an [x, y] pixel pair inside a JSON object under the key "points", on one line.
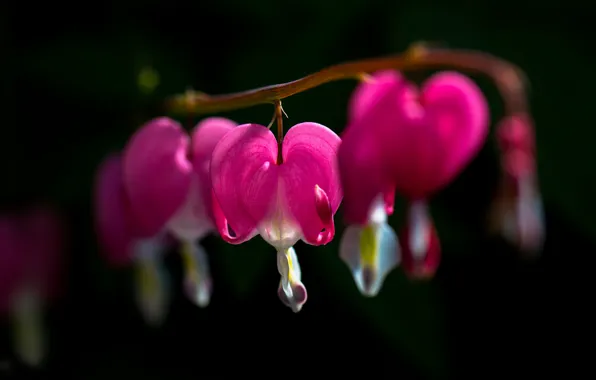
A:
{"points": [[31, 249], [282, 201], [414, 142], [123, 244], [159, 186], [518, 212]]}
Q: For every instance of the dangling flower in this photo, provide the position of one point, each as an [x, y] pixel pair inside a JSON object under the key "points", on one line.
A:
{"points": [[123, 242], [166, 176], [161, 186], [31, 248], [416, 143], [282, 201], [518, 212]]}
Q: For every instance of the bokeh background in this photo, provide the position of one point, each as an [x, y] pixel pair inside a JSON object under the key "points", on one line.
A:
{"points": [[79, 78]]}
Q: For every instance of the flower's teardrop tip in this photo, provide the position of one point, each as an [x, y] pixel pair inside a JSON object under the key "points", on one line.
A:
{"points": [[371, 253], [421, 246], [530, 232], [369, 276], [152, 286], [28, 330], [291, 290], [517, 214], [298, 298], [197, 276], [199, 294]]}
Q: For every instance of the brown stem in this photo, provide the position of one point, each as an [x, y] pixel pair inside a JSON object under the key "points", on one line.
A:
{"points": [[509, 79], [280, 129]]}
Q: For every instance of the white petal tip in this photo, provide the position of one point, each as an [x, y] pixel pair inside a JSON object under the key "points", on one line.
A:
{"points": [[28, 330], [199, 294], [154, 316], [297, 297], [32, 358], [371, 253], [368, 282]]}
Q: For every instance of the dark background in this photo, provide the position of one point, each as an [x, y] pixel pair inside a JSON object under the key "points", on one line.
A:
{"points": [[71, 95]]}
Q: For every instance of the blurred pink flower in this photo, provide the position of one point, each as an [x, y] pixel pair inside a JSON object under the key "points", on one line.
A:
{"points": [[411, 141], [159, 187], [31, 249]]}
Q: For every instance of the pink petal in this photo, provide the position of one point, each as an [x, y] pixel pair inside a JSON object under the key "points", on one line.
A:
{"points": [[311, 179], [157, 172], [436, 133], [11, 261], [369, 92], [43, 240], [362, 162], [459, 111], [206, 134], [420, 243], [389, 199], [245, 178], [112, 212]]}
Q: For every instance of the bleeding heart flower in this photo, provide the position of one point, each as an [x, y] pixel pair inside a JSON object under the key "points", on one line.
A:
{"points": [[282, 201], [160, 186], [518, 212], [166, 176], [123, 244], [409, 141], [31, 248]]}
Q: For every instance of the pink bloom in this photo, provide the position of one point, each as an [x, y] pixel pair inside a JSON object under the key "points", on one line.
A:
{"points": [[122, 244], [518, 211], [161, 185], [414, 142], [31, 248], [282, 201]]}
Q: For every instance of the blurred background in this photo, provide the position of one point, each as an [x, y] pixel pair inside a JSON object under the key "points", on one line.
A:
{"points": [[79, 78]]}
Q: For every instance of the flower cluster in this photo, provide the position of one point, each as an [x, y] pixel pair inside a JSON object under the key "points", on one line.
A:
{"points": [[156, 191], [239, 181], [242, 180]]}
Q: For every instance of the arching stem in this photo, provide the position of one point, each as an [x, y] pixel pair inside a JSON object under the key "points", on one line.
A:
{"points": [[509, 79]]}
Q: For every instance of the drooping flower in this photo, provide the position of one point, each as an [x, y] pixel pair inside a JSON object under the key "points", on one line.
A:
{"points": [[282, 201], [518, 212], [123, 243], [409, 141], [31, 249], [161, 186]]}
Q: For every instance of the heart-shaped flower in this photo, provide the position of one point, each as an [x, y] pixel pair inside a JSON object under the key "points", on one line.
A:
{"points": [[282, 201], [407, 140]]}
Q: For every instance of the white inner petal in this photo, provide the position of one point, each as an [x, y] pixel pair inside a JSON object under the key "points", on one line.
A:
{"points": [[289, 270], [378, 214], [152, 284], [372, 251], [530, 217], [197, 276], [280, 229], [419, 229], [191, 221], [27, 316]]}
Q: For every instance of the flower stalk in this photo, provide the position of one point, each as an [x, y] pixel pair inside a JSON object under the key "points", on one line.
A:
{"points": [[509, 79]]}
